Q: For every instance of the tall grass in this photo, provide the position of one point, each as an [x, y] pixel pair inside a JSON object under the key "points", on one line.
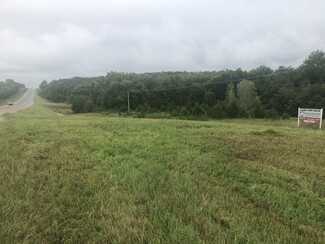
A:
{"points": [[93, 178]]}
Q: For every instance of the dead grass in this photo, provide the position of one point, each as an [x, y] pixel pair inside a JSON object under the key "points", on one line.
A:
{"points": [[60, 108]]}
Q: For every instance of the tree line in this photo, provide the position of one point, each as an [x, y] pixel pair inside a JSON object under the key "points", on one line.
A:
{"points": [[260, 92], [9, 88]]}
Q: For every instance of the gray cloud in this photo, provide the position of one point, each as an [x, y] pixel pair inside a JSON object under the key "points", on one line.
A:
{"points": [[50, 39]]}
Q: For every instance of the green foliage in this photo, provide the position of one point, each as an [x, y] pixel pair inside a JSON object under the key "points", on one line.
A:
{"points": [[81, 104], [272, 114], [9, 88], [89, 105], [231, 94], [285, 116], [233, 110], [43, 85], [218, 111], [258, 110], [77, 103], [195, 94], [247, 97], [198, 110], [314, 67]]}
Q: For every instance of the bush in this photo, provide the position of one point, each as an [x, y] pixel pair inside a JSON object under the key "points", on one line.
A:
{"points": [[198, 111], [285, 116], [89, 106], [232, 110], [259, 111], [272, 114], [78, 103], [217, 111], [123, 108]]}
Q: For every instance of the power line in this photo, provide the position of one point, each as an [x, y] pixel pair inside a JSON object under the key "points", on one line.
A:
{"points": [[211, 84], [203, 85]]}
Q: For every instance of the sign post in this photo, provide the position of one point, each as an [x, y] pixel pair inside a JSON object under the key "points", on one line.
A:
{"points": [[310, 115], [321, 119], [298, 117]]}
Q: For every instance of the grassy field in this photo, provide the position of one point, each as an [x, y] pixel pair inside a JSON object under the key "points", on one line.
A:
{"points": [[100, 179]]}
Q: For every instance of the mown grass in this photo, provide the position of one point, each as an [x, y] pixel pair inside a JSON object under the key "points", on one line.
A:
{"points": [[94, 178]]}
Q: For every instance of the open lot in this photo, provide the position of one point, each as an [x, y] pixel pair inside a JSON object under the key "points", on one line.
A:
{"points": [[95, 178]]}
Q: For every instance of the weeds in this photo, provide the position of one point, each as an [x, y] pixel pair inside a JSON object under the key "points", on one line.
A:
{"points": [[94, 178]]}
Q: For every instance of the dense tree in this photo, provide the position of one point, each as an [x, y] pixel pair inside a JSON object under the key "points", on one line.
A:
{"points": [[247, 97], [314, 67], [218, 111], [43, 84], [228, 93], [9, 88], [231, 102], [231, 94]]}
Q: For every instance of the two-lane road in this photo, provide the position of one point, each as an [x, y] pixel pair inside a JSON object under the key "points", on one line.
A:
{"points": [[25, 101]]}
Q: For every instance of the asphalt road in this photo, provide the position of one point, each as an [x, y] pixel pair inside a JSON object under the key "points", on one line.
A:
{"points": [[25, 101]]}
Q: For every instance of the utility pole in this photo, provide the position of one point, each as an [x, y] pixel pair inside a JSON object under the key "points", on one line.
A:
{"points": [[298, 117], [321, 119], [128, 93]]}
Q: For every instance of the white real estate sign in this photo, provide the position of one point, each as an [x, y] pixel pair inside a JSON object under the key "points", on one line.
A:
{"points": [[310, 115]]}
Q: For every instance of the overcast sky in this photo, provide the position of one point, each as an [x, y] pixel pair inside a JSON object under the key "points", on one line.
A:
{"points": [[51, 39]]}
